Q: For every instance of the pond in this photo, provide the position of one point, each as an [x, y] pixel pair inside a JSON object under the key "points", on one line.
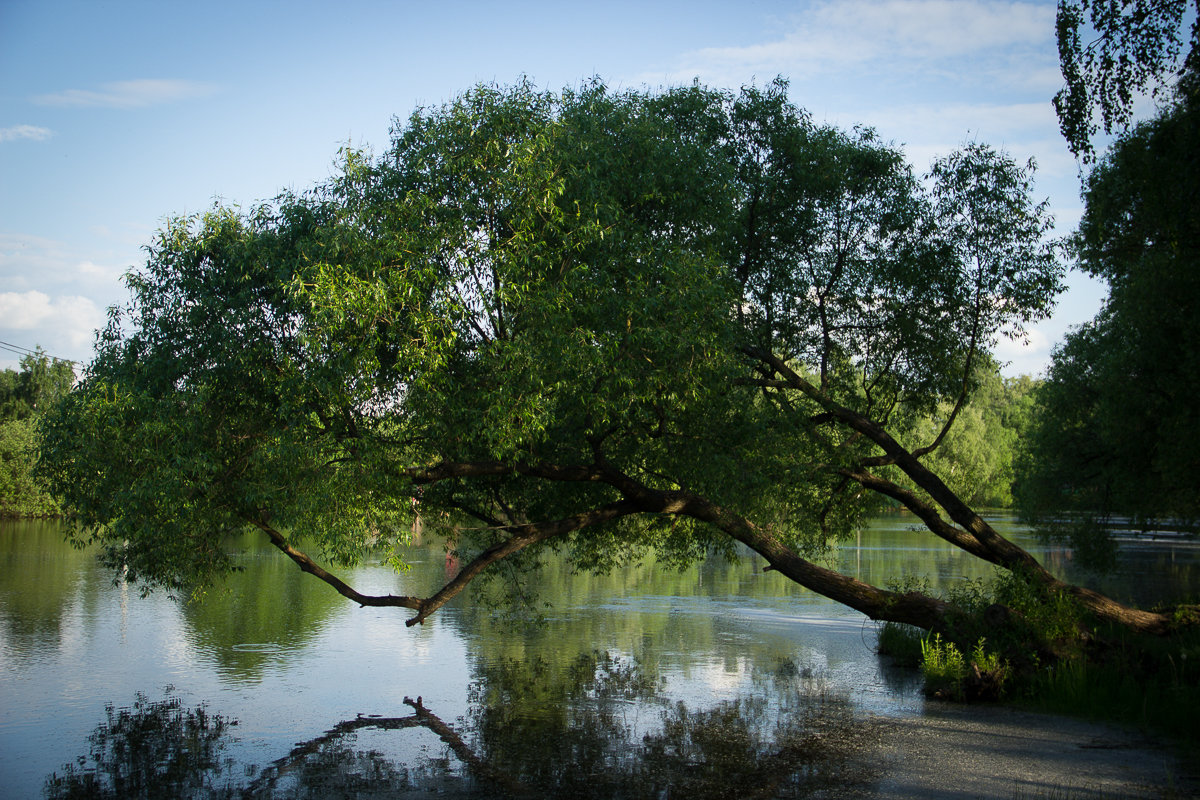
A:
{"points": [[645, 682]]}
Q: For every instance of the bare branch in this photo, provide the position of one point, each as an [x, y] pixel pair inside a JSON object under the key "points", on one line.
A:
{"points": [[311, 567], [522, 537]]}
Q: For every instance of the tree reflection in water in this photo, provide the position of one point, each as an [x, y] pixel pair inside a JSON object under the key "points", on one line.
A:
{"points": [[154, 749], [600, 729]]}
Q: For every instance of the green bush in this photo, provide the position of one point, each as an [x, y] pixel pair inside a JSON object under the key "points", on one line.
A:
{"points": [[21, 495], [950, 675], [943, 667]]}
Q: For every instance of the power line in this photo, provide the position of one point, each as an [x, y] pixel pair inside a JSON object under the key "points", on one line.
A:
{"points": [[25, 351]]}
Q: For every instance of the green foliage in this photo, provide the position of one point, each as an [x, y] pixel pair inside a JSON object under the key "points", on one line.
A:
{"points": [[1117, 420], [943, 667], [1133, 48], [951, 675], [1004, 629], [21, 494], [1053, 615], [557, 296], [38, 385], [24, 395], [991, 667], [977, 457]]}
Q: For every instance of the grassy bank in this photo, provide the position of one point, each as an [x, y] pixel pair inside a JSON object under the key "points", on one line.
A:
{"points": [[1057, 662]]}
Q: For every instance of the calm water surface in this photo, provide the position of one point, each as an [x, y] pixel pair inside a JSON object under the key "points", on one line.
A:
{"points": [[631, 681]]}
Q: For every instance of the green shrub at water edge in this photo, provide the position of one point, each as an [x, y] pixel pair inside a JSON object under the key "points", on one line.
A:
{"points": [[951, 675], [901, 642], [1041, 661], [943, 667]]}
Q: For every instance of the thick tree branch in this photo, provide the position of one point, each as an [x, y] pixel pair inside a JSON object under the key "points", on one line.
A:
{"points": [[926, 512], [912, 608], [1008, 554], [999, 550], [876, 603]]}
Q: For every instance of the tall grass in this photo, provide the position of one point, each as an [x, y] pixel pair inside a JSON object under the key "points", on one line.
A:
{"points": [[1146, 681], [901, 642]]}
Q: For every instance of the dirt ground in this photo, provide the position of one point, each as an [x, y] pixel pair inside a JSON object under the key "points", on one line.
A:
{"points": [[975, 751]]}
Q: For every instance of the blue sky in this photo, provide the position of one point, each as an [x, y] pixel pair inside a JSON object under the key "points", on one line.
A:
{"points": [[116, 115]]}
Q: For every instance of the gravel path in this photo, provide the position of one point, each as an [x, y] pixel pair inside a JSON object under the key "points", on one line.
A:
{"points": [[975, 751]]}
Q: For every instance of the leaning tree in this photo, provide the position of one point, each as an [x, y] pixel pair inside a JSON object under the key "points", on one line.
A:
{"points": [[611, 324]]}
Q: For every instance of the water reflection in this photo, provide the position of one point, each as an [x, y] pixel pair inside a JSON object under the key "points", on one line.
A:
{"points": [[152, 749], [601, 728], [40, 579], [256, 617], [289, 657]]}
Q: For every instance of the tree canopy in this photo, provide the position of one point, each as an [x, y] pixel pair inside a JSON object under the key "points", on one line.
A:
{"points": [[602, 322], [1118, 414], [35, 387]]}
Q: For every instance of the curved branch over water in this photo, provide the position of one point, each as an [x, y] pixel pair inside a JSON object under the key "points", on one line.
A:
{"points": [[522, 536]]}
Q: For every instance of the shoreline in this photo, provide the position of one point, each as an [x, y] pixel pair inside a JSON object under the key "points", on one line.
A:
{"points": [[983, 751]]}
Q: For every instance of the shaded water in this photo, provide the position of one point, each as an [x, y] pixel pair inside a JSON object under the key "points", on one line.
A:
{"points": [[632, 681]]}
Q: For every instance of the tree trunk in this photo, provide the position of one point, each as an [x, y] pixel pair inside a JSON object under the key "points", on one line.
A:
{"points": [[974, 534]]}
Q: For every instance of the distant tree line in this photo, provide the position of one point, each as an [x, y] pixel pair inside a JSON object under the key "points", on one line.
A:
{"points": [[979, 455], [24, 395]]}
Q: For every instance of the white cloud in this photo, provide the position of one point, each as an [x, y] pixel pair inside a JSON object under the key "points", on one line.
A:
{"points": [[94, 271], [927, 130], [24, 310], [33, 132], [73, 318], [1007, 119], [54, 295], [32, 262], [986, 42], [1029, 355], [938, 28], [64, 326], [127, 94], [845, 32]]}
